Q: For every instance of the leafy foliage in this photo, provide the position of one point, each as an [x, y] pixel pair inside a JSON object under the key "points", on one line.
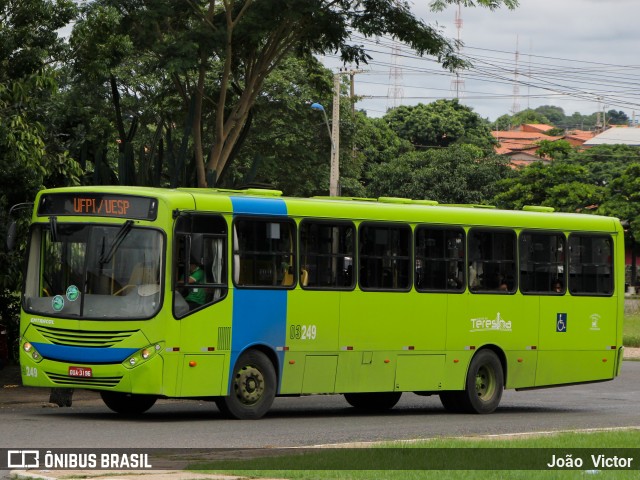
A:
{"points": [[441, 124], [457, 174]]}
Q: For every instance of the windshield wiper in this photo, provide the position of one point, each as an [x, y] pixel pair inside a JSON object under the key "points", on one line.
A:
{"points": [[117, 241]]}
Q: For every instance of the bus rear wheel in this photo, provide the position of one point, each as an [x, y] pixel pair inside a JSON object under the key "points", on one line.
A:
{"points": [[128, 403], [483, 386], [373, 401], [253, 387]]}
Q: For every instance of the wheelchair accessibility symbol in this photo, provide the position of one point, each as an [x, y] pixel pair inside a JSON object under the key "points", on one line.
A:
{"points": [[561, 322]]}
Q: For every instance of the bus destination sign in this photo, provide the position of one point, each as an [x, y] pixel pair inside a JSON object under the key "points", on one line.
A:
{"points": [[99, 205]]}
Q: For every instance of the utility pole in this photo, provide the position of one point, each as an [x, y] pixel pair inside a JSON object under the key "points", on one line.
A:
{"points": [[334, 173]]}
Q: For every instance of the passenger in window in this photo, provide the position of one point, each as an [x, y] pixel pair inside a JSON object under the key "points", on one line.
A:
{"points": [[557, 286], [196, 297]]}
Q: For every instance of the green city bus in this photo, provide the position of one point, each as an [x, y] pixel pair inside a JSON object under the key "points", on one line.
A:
{"points": [[242, 296]]}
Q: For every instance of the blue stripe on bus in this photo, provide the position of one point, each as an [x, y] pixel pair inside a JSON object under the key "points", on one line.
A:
{"points": [[259, 315], [64, 353]]}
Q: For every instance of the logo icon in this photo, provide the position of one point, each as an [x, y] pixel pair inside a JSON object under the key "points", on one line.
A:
{"points": [[23, 459], [57, 303], [72, 293], [595, 319], [561, 323]]}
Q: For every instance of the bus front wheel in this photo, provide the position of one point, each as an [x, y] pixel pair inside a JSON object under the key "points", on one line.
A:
{"points": [[373, 401], [483, 386], [128, 403], [253, 387]]}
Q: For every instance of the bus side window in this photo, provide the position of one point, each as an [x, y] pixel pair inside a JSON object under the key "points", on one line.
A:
{"points": [[264, 253], [542, 263], [439, 259], [385, 255], [326, 255], [492, 261], [200, 266], [590, 264]]}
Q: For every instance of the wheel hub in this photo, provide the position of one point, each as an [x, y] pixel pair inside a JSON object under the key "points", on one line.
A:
{"points": [[249, 385], [485, 383]]}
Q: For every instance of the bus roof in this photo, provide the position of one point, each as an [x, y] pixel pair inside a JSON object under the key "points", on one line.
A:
{"points": [[358, 209]]}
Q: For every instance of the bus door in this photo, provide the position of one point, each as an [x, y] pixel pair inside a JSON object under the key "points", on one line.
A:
{"points": [[199, 303]]}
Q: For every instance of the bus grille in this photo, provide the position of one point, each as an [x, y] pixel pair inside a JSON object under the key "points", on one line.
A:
{"points": [[81, 338], [224, 338], [83, 381]]}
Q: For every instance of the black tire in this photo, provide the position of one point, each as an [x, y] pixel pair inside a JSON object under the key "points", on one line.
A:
{"points": [[253, 387], [128, 403], [484, 384], [373, 401]]}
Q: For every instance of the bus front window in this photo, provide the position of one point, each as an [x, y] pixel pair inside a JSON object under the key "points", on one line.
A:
{"points": [[94, 271]]}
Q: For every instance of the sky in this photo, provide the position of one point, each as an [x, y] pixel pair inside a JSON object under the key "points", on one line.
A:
{"points": [[580, 55]]}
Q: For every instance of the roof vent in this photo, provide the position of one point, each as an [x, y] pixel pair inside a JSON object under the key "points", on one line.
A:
{"points": [[263, 191], [394, 200], [538, 208]]}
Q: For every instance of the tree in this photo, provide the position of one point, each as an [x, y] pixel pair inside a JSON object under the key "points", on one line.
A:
{"points": [[554, 150], [623, 198], [218, 54], [617, 118], [507, 122], [604, 163], [440, 124], [29, 158], [555, 115], [561, 184], [457, 174]]}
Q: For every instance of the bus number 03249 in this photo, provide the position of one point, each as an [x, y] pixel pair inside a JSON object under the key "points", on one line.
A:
{"points": [[302, 332]]}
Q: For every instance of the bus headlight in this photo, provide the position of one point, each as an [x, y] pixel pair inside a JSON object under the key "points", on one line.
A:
{"points": [[143, 355], [31, 351]]}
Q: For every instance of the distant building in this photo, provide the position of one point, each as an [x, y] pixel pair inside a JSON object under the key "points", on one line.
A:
{"points": [[578, 137], [616, 136], [521, 145]]}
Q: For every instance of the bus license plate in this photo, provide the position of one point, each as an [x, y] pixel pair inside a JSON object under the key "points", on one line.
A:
{"points": [[80, 372]]}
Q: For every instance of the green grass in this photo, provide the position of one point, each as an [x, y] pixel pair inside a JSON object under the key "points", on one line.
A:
{"points": [[307, 466], [631, 331]]}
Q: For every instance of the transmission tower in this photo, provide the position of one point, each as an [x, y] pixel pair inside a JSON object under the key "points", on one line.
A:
{"points": [[395, 92], [515, 108], [457, 82]]}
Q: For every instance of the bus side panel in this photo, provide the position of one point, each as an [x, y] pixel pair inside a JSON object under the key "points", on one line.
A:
{"points": [[509, 322], [366, 371], [577, 339], [312, 330], [377, 327], [204, 350]]}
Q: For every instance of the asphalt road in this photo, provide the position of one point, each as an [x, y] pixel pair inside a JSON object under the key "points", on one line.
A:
{"points": [[321, 419]]}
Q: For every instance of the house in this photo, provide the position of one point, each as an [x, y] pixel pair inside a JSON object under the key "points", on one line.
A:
{"points": [[616, 136], [578, 137], [521, 145]]}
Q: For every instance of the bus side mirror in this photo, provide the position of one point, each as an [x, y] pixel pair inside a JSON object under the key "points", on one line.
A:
{"points": [[11, 236]]}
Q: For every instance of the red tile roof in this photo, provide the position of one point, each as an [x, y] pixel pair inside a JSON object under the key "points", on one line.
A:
{"points": [[536, 127]]}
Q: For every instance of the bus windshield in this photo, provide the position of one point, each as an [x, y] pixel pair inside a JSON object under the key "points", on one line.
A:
{"points": [[94, 271]]}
